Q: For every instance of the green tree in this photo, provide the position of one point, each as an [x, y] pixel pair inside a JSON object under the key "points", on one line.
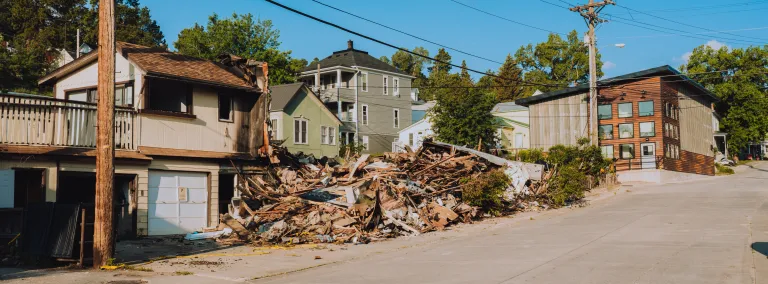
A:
{"points": [[462, 116], [557, 62], [742, 89], [243, 36], [409, 63], [385, 59], [464, 75], [507, 85]]}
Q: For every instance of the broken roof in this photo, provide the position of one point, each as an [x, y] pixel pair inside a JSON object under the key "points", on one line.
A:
{"points": [[661, 70], [351, 57], [159, 62]]}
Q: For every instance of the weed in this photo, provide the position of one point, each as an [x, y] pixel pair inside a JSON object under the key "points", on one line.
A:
{"points": [[183, 273], [486, 191], [723, 170]]}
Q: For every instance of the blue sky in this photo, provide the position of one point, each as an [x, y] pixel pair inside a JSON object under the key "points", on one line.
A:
{"points": [[453, 25]]}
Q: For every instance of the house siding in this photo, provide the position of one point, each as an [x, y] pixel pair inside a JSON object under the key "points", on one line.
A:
{"points": [[303, 107], [558, 121]]}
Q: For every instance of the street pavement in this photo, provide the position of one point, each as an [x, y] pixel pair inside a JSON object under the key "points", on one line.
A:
{"points": [[713, 230]]}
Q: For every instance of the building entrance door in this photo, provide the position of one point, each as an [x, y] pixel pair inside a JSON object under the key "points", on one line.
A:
{"points": [[648, 155]]}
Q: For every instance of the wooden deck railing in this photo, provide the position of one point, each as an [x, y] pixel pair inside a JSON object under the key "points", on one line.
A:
{"points": [[37, 120]]}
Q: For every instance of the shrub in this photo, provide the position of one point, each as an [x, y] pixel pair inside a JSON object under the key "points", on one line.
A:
{"points": [[723, 170], [566, 186], [530, 156], [486, 191]]}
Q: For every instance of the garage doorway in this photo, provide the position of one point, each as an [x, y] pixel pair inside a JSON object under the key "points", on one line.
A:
{"points": [[80, 187], [178, 202], [226, 191], [28, 187]]}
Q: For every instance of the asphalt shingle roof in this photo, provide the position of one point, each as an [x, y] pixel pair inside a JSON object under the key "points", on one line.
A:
{"points": [[283, 94], [354, 57]]}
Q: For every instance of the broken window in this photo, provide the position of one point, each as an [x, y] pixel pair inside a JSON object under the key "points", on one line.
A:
{"points": [[225, 107], [171, 96]]}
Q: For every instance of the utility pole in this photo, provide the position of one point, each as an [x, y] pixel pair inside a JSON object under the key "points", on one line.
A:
{"points": [[103, 231], [590, 13]]}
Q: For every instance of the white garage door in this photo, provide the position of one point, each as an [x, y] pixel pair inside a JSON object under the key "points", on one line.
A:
{"points": [[178, 202]]}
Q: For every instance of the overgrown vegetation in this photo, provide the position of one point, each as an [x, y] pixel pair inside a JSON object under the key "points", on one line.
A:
{"points": [[486, 191], [351, 148], [575, 167], [723, 170]]}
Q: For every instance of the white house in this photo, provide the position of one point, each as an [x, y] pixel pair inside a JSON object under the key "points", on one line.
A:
{"points": [[414, 134], [513, 120]]}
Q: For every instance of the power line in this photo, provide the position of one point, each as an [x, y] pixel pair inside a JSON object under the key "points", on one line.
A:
{"points": [[695, 8], [702, 33], [400, 48], [408, 34], [684, 24], [506, 19], [683, 33]]}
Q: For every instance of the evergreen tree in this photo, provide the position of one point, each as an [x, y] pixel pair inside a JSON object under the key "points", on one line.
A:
{"points": [[385, 59], [507, 85], [464, 75], [462, 116]]}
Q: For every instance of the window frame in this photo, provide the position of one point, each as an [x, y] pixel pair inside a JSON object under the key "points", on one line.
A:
{"points": [[323, 135], [364, 114], [396, 86], [632, 132], [365, 143], [385, 86], [363, 83], [396, 118], [602, 151], [621, 152], [640, 113], [640, 128], [274, 123], [610, 113], [299, 133], [602, 125], [410, 139], [331, 135], [231, 118], [631, 110]]}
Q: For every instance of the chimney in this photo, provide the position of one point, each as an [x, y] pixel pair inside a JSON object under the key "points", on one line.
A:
{"points": [[350, 44]]}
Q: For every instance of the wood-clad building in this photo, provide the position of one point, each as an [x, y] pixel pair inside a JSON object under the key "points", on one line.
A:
{"points": [[655, 119]]}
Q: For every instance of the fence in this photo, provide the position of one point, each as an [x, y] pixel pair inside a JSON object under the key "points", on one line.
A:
{"points": [[37, 120]]}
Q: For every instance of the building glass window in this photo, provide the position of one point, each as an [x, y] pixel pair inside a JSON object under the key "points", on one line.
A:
{"points": [[607, 151], [365, 143], [410, 139], [647, 129], [396, 86], [365, 114], [645, 108], [331, 135], [386, 85], [273, 135], [605, 131], [364, 81], [604, 111], [300, 131], [396, 116], [626, 130], [625, 110], [627, 151]]}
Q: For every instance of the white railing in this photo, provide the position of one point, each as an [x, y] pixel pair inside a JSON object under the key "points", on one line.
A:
{"points": [[37, 120]]}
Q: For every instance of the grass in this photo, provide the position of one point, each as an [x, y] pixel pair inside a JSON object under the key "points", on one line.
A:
{"points": [[139, 268], [723, 170], [183, 273]]}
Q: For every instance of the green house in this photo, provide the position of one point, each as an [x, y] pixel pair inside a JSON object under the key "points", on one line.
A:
{"points": [[302, 122]]}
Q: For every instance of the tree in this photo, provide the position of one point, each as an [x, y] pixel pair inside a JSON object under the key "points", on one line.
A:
{"points": [[442, 56], [742, 89], [132, 24], [242, 36], [314, 62], [385, 59], [462, 116], [555, 62], [464, 75], [507, 85], [410, 63]]}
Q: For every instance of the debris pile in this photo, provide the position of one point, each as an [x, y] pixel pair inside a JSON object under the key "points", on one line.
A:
{"points": [[363, 199]]}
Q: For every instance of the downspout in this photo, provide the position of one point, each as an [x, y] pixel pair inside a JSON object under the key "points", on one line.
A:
{"points": [[357, 87]]}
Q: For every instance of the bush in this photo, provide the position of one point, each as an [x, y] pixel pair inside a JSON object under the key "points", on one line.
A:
{"points": [[723, 170], [354, 149], [530, 156], [486, 191], [573, 165], [566, 186]]}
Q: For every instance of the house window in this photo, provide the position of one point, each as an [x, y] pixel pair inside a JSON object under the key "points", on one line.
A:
{"points": [[323, 135], [333, 81], [350, 112], [386, 85], [124, 95], [604, 112], [300, 131], [605, 131], [396, 115], [626, 130], [645, 108], [273, 135], [225, 108], [331, 136], [607, 151], [396, 86], [365, 143], [625, 110], [364, 81], [365, 114], [647, 129], [627, 151], [170, 96], [410, 139]]}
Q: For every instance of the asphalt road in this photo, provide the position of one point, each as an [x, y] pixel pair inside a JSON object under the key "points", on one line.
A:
{"points": [[694, 232]]}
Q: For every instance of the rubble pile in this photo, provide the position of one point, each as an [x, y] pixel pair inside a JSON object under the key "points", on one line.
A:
{"points": [[305, 200]]}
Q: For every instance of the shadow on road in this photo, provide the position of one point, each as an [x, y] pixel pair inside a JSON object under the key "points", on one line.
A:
{"points": [[759, 169], [761, 247]]}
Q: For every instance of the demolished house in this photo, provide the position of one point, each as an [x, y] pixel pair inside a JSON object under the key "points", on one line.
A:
{"points": [[365, 198]]}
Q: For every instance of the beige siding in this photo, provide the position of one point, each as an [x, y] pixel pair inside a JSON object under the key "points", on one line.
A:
{"points": [[88, 77], [696, 127], [205, 132], [51, 175], [559, 121]]}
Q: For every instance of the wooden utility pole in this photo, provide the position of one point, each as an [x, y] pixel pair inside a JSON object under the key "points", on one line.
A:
{"points": [[590, 13], [104, 233]]}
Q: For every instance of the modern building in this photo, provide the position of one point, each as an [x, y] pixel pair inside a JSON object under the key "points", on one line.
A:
{"points": [[181, 123], [302, 122], [655, 123], [370, 97]]}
